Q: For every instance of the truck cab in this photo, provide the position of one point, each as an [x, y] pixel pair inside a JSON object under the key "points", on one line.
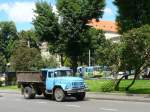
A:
{"points": [[60, 83]]}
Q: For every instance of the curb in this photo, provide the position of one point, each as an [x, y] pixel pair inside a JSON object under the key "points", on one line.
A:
{"points": [[113, 99], [119, 94], [119, 97]]}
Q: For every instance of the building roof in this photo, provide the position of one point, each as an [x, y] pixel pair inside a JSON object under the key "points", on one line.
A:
{"points": [[108, 26]]}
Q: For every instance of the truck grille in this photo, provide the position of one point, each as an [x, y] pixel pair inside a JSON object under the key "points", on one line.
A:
{"points": [[78, 85]]}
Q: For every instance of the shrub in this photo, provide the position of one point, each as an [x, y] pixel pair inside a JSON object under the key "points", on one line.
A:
{"points": [[108, 86]]}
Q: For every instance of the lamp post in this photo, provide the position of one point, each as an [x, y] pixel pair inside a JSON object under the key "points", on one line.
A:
{"points": [[89, 57]]}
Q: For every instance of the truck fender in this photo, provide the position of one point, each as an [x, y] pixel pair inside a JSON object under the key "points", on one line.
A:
{"points": [[62, 86]]}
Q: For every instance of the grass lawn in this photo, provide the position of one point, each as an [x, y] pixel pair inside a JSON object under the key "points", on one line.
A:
{"points": [[140, 86]]}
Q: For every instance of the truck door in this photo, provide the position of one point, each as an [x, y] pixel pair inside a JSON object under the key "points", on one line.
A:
{"points": [[50, 81]]}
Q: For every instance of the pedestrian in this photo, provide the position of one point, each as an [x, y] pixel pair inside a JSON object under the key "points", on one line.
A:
{"points": [[81, 71]]}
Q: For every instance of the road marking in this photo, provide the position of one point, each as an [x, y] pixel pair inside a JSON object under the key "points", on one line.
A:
{"points": [[76, 106], [107, 109]]}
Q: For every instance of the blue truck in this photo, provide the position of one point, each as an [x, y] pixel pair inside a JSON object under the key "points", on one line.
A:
{"points": [[54, 83]]}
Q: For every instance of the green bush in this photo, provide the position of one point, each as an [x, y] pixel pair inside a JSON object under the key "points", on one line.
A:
{"points": [[108, 86]]}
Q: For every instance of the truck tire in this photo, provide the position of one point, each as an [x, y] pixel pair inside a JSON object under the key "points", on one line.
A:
{"points": [[28, 94], [59, 95], [80, 96]]}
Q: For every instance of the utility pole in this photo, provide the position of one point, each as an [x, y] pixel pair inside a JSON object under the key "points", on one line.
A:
{"points": [[89, 57]]}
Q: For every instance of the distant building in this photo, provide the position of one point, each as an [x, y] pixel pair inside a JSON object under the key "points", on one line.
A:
{"points": [[109, 27], [44, 50], [46, 54]]}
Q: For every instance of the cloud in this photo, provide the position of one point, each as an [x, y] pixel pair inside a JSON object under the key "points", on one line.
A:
{"points": [[108, 11], [19, 11]]}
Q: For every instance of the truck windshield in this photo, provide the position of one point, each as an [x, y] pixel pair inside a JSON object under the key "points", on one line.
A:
{"points": [[63, 73]]}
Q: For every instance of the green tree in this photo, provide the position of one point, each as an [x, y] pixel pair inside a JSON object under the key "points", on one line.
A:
{"points": [[2, 62], [50, 63], [136, 50], [29, 38], [132, 14], [95, 39], [46, 23], [48, 29], [22, 59], [74, 16], [8, 35], [109, 54]]}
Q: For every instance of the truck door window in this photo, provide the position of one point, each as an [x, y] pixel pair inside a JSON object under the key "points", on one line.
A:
{"points": [[49, 74], [44, 74], [62, 73], [55, 74]]}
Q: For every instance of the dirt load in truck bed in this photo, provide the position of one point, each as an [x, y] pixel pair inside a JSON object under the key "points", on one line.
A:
{"points": [[29, 77]]}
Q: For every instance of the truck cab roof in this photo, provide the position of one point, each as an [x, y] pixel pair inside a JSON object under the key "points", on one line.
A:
{"points": [[55, 69]]}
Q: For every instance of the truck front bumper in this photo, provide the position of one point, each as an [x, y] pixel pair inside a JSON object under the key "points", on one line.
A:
{"points": [[76, 90]]}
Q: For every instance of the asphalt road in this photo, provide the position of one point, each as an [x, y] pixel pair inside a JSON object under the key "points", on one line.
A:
{"points": [[16, 103]]}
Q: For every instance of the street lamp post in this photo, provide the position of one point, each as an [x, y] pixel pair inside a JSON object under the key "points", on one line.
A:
{"points": [[89, 57]]}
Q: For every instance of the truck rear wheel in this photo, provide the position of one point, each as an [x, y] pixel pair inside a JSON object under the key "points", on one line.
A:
{"points": [[59, 94], [80, 96], [28, 94]]}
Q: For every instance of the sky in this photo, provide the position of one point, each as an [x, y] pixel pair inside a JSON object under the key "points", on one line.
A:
{"points": [[21, 12]]}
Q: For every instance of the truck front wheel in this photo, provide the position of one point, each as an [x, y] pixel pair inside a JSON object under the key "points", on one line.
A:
{"points": [[80, 96], [59, 94], [28, 94]]}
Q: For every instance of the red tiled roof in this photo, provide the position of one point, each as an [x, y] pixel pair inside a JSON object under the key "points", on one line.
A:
{"points": [[103, 25]]}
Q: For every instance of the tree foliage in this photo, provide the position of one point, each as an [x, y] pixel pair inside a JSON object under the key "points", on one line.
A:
{"points": [[26, 59], [136, 50], [46, 23], [2, 62], [74, 18], [132, 14], [47, 27], [108, 54], [8, 35], [96, 39], [29, 39]]}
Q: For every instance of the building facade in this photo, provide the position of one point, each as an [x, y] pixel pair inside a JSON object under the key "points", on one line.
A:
{"points": [[109, 28]]}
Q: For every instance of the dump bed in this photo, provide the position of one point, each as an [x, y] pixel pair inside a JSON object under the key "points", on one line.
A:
{"points": [[29, 77]]}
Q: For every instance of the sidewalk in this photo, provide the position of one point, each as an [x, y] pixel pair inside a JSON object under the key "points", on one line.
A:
{"points": [[10, 91], [119, 97]]}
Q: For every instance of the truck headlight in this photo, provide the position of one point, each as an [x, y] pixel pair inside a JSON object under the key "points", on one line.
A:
{"points": [[85, 85], [68, 86]]}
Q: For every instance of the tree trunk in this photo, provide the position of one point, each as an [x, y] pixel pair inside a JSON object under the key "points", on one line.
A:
{"points": [[61, 59], [74, 63], [135, 76], [137, 72], [117, 84]]}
